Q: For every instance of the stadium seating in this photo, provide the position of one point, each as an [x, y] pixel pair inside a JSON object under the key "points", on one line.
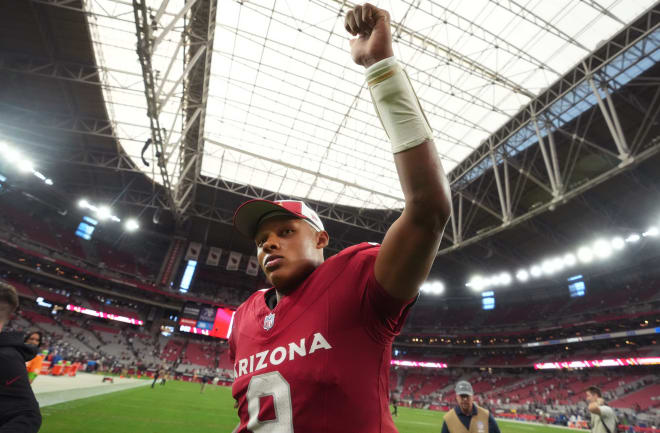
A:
{"points": [[200, 354], [21, 288], [50, 295], [35, 228], [172, 350], [643, 399]]}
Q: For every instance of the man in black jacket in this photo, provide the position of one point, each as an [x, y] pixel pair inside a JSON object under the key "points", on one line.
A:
{"points": [[19, 410]]}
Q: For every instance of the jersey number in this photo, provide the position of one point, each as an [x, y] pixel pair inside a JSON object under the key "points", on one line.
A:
{"points": [[272, 384]]}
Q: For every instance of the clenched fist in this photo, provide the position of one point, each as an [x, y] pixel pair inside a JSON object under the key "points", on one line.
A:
{"points": [[372, 26]]}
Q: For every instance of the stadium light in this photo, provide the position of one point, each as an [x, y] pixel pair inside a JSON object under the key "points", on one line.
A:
{"points": [[569, 260], [585, 254], [103, 213], [131, 225], [433, 287], [477, 283], [505, 278], [602, 249], [618, 243], [633, 237], [12, 155], [25, 166], [21, 163], [548, 267], [557, 264], [651, 232]]}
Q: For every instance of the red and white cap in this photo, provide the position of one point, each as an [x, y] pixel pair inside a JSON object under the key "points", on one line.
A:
{"points": [[250, 214]]}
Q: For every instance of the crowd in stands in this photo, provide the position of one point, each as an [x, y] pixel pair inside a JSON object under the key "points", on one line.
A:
{"points": [[548, 397], [119, 347], [606, 298], [49, 235], [111, 269]]}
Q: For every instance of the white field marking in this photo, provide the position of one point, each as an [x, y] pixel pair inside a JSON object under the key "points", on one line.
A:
{"points": [[530, 423]]}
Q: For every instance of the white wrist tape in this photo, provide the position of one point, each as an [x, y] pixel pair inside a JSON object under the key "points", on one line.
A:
{"points": [[397, 105]]}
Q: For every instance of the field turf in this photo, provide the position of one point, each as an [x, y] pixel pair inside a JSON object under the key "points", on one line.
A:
{"points": [[179, 407]]}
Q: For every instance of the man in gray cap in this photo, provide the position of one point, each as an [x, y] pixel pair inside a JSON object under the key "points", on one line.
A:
{"points": [[467, 417]]}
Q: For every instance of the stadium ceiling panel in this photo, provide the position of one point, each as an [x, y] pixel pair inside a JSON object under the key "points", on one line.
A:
{"points": [[285, 109]]}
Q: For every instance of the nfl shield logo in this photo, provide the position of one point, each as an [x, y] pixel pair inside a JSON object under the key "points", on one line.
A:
{"points": [[269, 321]]}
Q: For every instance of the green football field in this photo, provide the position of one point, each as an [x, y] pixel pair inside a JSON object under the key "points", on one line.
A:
{"points": [[179, 407]]}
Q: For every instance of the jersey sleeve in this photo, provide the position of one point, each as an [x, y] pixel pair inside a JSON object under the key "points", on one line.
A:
{"points": [[385, 315]]}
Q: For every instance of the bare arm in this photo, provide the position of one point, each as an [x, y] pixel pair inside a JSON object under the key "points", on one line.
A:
{"points": [[594, 406], [410, 245]]}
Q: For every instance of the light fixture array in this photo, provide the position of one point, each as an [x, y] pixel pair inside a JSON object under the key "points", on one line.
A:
{"points": [[104, 213], [601, 249], [433, 288], [21, 163]]}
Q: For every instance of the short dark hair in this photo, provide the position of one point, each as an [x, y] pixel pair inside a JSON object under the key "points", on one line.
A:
{"points": [[595, 390], [8, 301]]}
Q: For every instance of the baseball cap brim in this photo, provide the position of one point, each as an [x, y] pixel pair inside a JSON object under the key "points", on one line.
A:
{"points": [[248, 216]]}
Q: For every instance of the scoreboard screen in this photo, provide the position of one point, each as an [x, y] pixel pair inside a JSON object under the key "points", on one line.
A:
{"points": [[206, 320]]}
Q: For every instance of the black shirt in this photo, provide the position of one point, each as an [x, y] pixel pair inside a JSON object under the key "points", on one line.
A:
{"points": [[19, 410], [465, 419]]}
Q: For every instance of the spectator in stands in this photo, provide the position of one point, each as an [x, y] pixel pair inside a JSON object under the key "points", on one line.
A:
{"points": [[603, 419], [467, 415], [19, 410]]}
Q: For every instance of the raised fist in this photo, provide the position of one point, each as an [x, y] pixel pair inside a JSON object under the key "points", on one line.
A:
{"points": [[372, 26]]}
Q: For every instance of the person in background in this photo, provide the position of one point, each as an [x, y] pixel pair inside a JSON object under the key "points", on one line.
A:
{"points": [[205, 380], [34, 366], [603, 419], [158, 374], [19, 410], [395, 396], [467, 416]]}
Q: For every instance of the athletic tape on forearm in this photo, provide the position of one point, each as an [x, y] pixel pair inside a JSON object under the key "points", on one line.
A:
{"points": [[397, 105]]}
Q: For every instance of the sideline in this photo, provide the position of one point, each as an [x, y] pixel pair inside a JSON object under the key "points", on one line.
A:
{"points": [[540, 424], [54, 390]]}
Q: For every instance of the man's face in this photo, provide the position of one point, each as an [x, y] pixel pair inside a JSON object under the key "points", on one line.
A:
{"points": [[591, 397], [33, 340], [289, 250], [465, 402]]}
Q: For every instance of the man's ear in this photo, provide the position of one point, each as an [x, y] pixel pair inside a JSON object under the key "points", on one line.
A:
{"points": [[322, 239]]}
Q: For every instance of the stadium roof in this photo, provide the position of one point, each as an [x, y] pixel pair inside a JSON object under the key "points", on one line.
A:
{"points": [[578, 158], [287, 109]]}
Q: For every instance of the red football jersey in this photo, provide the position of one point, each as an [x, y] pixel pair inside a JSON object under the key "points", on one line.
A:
{"points": [[320, 360]]}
